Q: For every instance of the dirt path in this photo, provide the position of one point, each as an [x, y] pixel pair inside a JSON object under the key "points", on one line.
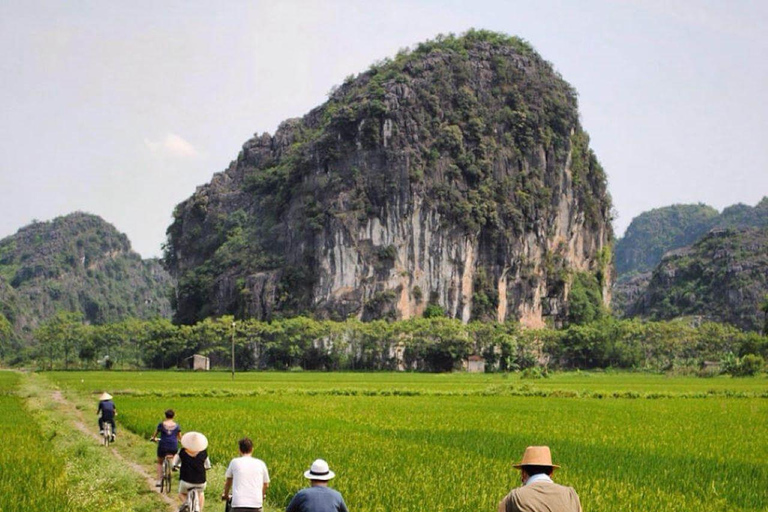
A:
{"points": [[79, 423]]}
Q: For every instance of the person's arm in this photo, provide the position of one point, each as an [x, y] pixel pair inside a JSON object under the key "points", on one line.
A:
{"points": [[295, 504], [342, 507], [265, 479], [207, 463], [227, 487], [509, 503], [177, 461]]}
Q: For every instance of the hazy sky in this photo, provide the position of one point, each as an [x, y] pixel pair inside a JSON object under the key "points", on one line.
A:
{"points": [[122, 108]]}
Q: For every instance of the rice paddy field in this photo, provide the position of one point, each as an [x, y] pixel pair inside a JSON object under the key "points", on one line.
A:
{"points": [[416, 442], [31, 478]]}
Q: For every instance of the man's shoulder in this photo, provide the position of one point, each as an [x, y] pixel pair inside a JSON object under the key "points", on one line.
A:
{"points": [[247, 462]]}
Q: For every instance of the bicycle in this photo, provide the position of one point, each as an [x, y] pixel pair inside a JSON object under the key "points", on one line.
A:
{"points": [[167, 471], [165, 483], [192, 504], [106, 433]]}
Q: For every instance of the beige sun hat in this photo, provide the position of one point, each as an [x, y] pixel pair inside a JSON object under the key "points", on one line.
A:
{"points": [[194, 441], [319, 471], [536, 456], [105, 396]]}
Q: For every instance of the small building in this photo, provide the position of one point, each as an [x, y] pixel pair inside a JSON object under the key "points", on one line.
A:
{"points": [[475, 364], [198, 362]]}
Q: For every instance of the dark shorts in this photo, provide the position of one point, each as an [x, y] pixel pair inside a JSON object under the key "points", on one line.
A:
{"points": [[163, 451], [111, 421]]}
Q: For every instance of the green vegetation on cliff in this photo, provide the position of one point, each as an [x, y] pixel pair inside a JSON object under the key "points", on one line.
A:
{"points": [[77, 263]]}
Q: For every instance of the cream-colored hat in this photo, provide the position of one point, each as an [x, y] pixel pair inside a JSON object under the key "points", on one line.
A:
{"points": [[536, 456], [319, 471], [194, 441], [105, 396]]}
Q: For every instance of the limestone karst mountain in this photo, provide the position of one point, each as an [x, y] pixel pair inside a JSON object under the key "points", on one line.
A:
{"points": [[455, 175], [79, 263]]}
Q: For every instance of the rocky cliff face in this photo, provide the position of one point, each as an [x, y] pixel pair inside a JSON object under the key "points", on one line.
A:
{"points": [[723, 276], [78, 263], [456, 174]]}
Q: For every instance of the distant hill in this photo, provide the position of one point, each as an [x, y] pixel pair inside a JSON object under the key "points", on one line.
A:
{"points": [[657, 232], [653, 233], [723, 276], [77, 262]]}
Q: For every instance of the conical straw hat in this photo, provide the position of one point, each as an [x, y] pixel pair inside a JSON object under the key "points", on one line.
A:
{"points": [[105, 396], [194, 441], [536, 456]]}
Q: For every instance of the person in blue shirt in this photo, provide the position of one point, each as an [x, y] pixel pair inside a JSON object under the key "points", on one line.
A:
{"points": [[107, 412], [319, 497], [167, 435]]}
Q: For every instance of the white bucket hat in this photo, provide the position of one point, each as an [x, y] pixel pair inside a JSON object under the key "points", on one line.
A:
{"points": [[105, 396], [319, 471], [194, 441]]}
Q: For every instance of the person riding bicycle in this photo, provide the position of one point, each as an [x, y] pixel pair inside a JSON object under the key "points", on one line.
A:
{"points": [[107, 412], [167, 435], [193, 460]]}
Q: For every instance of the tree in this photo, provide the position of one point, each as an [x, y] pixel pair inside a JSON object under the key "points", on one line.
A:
{"points": [[585, 301], [764, 309], [6, 331], [61, 333]]}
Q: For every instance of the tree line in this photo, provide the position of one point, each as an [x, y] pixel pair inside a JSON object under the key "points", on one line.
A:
{"points": [[436, 344]]}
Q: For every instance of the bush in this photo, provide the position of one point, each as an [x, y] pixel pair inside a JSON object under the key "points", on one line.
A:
{"points": [[751, 364], [747, 366]]}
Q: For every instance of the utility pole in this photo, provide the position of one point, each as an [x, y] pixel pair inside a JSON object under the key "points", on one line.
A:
{"points": [[233, 350]]}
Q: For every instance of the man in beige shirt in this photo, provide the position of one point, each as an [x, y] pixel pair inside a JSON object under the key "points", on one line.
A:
{"points": [[539, 493]]}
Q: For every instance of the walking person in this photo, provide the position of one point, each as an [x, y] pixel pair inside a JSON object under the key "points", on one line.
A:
{"points": [[194, 462], [167, 435], [106, 413], [319, 497], [248, 479], [539, 493]]}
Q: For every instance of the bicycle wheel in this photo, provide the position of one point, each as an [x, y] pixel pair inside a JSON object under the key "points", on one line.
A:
{"points": [[166, 485], [194, 501], [107, 433]]}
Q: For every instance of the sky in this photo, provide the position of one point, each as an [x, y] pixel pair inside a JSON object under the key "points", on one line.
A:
{"points": [[122, 109]]}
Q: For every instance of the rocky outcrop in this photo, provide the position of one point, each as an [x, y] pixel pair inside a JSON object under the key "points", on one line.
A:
{"points": [[456, 174], [724, 277], [80, 263]]}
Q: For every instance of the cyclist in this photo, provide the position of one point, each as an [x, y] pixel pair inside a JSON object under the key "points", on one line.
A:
{"points": [[107, 412], [194, 462], [167, 434]]}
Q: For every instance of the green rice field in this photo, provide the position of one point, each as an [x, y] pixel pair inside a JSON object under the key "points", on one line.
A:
{"points": [[416, 442], [31, 474]]}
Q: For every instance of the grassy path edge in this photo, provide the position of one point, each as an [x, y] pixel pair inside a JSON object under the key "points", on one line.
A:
{"points": [[98, 479]]}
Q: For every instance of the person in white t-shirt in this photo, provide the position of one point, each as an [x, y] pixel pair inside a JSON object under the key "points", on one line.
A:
{"points": [[248, 479]]}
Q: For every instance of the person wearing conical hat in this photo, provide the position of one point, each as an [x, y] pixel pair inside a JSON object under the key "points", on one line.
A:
{"points": [[319, 497], [194, 463], [539, 493], [106, 413]]}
